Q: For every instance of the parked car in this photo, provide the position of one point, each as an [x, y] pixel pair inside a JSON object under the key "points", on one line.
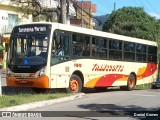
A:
{"points": [[156, 84]]}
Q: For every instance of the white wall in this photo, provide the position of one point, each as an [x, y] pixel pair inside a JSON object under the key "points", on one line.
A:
{"points": [[4, 20], [49, 3]]}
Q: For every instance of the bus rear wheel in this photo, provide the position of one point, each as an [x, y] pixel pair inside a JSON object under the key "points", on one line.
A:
{"points": [[75, 84], [131, 82]]}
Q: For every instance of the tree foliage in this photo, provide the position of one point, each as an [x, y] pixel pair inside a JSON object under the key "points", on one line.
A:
{"points": [[134, 22]]}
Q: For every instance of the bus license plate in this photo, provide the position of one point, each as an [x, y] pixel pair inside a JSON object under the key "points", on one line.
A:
{"points": [[23, 81]]}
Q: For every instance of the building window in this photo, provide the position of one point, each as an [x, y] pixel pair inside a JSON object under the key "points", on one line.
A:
{"points": [[12, 20]]}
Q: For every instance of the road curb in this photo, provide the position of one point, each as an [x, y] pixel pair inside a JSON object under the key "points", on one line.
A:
{"points": [[35, 105]]}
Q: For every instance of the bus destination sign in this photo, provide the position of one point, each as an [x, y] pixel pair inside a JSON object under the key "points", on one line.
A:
{"points": [[32, 29]]}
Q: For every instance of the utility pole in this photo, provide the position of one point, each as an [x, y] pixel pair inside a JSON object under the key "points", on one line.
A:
{"points": [[63, 12], [114, 6], [82, 14]]}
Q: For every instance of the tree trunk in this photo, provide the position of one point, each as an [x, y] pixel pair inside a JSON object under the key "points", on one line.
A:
{"points": [[35, 19]]}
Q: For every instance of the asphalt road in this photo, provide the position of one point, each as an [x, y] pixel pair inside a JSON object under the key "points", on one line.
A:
{"points": [[116, 103]]}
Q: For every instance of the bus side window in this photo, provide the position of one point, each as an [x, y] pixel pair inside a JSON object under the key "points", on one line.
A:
{"points": [[54, 59], [60, 47], [86, 45], [93, 47], [77, 45], [115, 49], [102, 47], [63, 46], [152, 54], [129, 51]]}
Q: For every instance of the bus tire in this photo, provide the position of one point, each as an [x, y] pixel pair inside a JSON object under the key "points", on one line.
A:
{"points": [[131, 82], [75, 84]]}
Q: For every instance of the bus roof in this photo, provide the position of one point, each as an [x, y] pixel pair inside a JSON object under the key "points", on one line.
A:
{"points": [[95, 33]]}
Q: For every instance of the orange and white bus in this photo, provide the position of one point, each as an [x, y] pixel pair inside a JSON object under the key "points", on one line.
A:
{"points": [[53, 55]]}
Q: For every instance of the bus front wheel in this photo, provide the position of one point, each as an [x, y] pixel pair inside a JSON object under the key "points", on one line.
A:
{"points": [[75, 84], [131, 82]]}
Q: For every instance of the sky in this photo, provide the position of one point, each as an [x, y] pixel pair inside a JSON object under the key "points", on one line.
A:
{"points": [[104, 7]]}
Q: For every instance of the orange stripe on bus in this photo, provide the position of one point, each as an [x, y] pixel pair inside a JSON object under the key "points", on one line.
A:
{"points": [[141, 71], [92, 83]]}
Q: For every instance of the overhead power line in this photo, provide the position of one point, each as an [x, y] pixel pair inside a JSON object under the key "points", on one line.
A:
{"points": [[144, 5], [135, 2], [152, 7]]}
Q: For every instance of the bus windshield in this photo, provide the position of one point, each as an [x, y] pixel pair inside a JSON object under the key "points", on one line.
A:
{"points": [[28, 49]]}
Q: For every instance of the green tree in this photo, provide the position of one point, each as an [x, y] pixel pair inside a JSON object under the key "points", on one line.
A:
{"points": [[134, 22]]}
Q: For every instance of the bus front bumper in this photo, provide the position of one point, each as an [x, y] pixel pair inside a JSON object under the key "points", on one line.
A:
{"points": [[41, 82]]}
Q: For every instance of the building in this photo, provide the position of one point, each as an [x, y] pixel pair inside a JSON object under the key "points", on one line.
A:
{"points": [[84, 12], [79, 15], [9, 17]]}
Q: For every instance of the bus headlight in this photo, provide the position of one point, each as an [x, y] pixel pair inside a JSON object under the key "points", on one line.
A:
{"points": [[41, 72], [8, 72]]}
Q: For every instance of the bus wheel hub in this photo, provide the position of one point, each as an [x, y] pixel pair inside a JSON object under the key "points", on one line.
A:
{"points": [[74, 85]]}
